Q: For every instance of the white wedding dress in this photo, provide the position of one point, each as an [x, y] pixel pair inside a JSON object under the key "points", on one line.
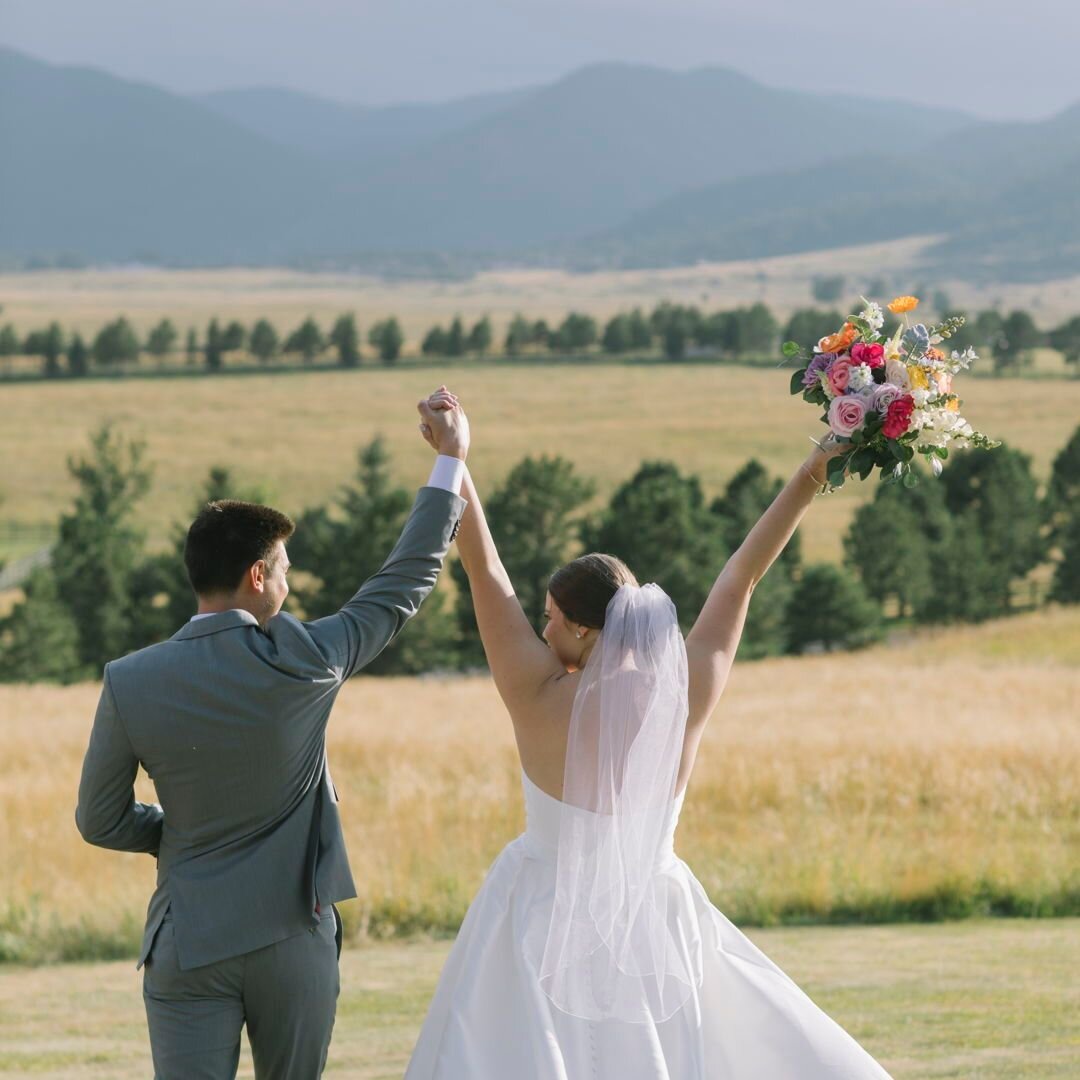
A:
{"points": [[591, 952], [490, 1020]]}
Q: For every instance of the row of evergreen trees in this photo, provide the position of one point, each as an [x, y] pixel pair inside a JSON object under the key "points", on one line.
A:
{"points": [[673, 330], [949, 550]]}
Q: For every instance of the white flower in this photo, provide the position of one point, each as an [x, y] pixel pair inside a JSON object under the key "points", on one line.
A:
{"points": [[861, 378], [896, 373], [935, 465], [961, 360], [873, 314], [920, 397]]}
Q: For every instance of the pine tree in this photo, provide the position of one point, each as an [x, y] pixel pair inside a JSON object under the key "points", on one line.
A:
{"points": [[658, 524], [346, 339], [264, 343], [831, 610]]}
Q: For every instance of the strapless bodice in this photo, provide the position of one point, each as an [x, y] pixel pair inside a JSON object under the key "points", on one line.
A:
{"points": [[543, 814]]}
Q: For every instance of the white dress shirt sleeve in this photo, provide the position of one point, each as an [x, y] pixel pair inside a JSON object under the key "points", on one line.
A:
{"points": [[447, 473]]}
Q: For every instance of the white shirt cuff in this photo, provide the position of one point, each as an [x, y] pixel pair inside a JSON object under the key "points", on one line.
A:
{"points": [[447, 473]]}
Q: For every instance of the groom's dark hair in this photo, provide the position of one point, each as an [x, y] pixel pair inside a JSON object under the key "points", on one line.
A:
{"points": [[227, 538], [584, 588]]}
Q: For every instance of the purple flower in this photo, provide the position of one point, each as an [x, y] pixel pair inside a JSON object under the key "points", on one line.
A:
{"points": [[816, 367], [884, 395]]}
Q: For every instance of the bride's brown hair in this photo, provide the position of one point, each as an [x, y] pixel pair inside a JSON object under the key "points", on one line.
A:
{"points": [[584, 588]]}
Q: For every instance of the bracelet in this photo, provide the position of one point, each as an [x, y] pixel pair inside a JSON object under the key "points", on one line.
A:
{"points": [[817, 482]]}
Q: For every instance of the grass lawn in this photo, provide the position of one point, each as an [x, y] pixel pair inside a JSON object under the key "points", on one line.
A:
{"points": [[994, 1000]]}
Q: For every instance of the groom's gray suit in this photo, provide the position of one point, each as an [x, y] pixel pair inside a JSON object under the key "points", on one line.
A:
{"points": [[230, 722]]}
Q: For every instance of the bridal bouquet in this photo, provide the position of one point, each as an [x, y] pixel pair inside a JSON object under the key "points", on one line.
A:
{"points": [[887, 398]]}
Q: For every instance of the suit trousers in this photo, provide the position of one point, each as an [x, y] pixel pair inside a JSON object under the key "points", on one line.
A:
{"points": [[285, 993]]}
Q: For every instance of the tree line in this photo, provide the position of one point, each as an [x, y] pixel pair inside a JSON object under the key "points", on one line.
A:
{"points": [[953, 550], [673, 331]]}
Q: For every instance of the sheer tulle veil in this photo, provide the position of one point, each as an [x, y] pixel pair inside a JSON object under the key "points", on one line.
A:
{"points": [[612, 952]]}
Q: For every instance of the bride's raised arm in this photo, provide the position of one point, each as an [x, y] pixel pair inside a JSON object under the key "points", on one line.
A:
{"points": [[521, 664], [712, 642]]}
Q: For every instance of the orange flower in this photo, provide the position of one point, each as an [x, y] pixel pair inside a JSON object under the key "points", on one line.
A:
{"points": [[840, 341], [904, 303], [935, 354]]}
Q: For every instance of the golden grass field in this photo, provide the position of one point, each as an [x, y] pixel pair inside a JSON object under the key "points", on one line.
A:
{"points": [[297, 434], [883, 784], [997, 1001]]}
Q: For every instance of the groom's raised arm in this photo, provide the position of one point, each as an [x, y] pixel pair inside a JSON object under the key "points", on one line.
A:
{"points": [[352, 637]]}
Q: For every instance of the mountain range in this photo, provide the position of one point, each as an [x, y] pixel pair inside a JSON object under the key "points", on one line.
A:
{"points": [[613, 165]]}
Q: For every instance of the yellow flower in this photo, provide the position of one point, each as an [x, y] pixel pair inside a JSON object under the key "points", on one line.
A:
{"points": [[953, 406], [903, 304], [917, 377]]}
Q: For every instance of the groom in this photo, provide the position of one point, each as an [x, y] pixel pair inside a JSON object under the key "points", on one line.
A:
{"points": [[229, 717]]}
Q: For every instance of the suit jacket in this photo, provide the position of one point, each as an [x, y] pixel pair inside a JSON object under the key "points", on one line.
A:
{"points": [[230, 720]]}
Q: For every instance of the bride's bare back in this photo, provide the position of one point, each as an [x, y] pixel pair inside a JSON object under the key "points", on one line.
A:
{"points": [[538, 678]]}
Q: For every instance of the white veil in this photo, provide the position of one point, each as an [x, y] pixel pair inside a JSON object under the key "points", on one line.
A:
{"points": [[611, 952]]}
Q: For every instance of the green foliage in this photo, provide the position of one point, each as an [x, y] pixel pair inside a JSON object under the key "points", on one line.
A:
{"points": [[233, 337], [747, 496], [78, 357], [307, 340], [1065, 588], [191, 346], [49, 345], [894, 543], [1066, 339], [995, 496], [1018, 336], [99, 546], [828, 289], [677, 326], [9, 341], [387, 337], [214, 351], [809, 325], [264, 343], [616, 337], [1063, 491], [658, 524], [435, 342], [534, 519], [576, 332], [830, 609], [480, 337], [162, 339], [518, 335], [455, 338], [39, 641], [346, 339], [341, 546], [115, 343]]}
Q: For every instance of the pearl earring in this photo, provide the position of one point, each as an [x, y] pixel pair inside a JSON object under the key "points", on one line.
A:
{"points": [[579, 634]]}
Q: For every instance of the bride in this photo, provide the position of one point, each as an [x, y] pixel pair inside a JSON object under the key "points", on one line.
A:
{"points": [[591, 950]]}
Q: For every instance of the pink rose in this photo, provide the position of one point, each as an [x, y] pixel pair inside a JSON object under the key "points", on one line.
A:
{"points": [[885, 395], [871, 355], [944, 382], [838, 374], [847, 415]]}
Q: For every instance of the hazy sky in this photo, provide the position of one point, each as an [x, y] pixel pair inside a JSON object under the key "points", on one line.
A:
{"points": [[997, 58]]}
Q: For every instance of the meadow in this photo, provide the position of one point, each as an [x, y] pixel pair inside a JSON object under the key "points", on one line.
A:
{"points": [[932, 778], [995, 1000], [296, 435]]}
